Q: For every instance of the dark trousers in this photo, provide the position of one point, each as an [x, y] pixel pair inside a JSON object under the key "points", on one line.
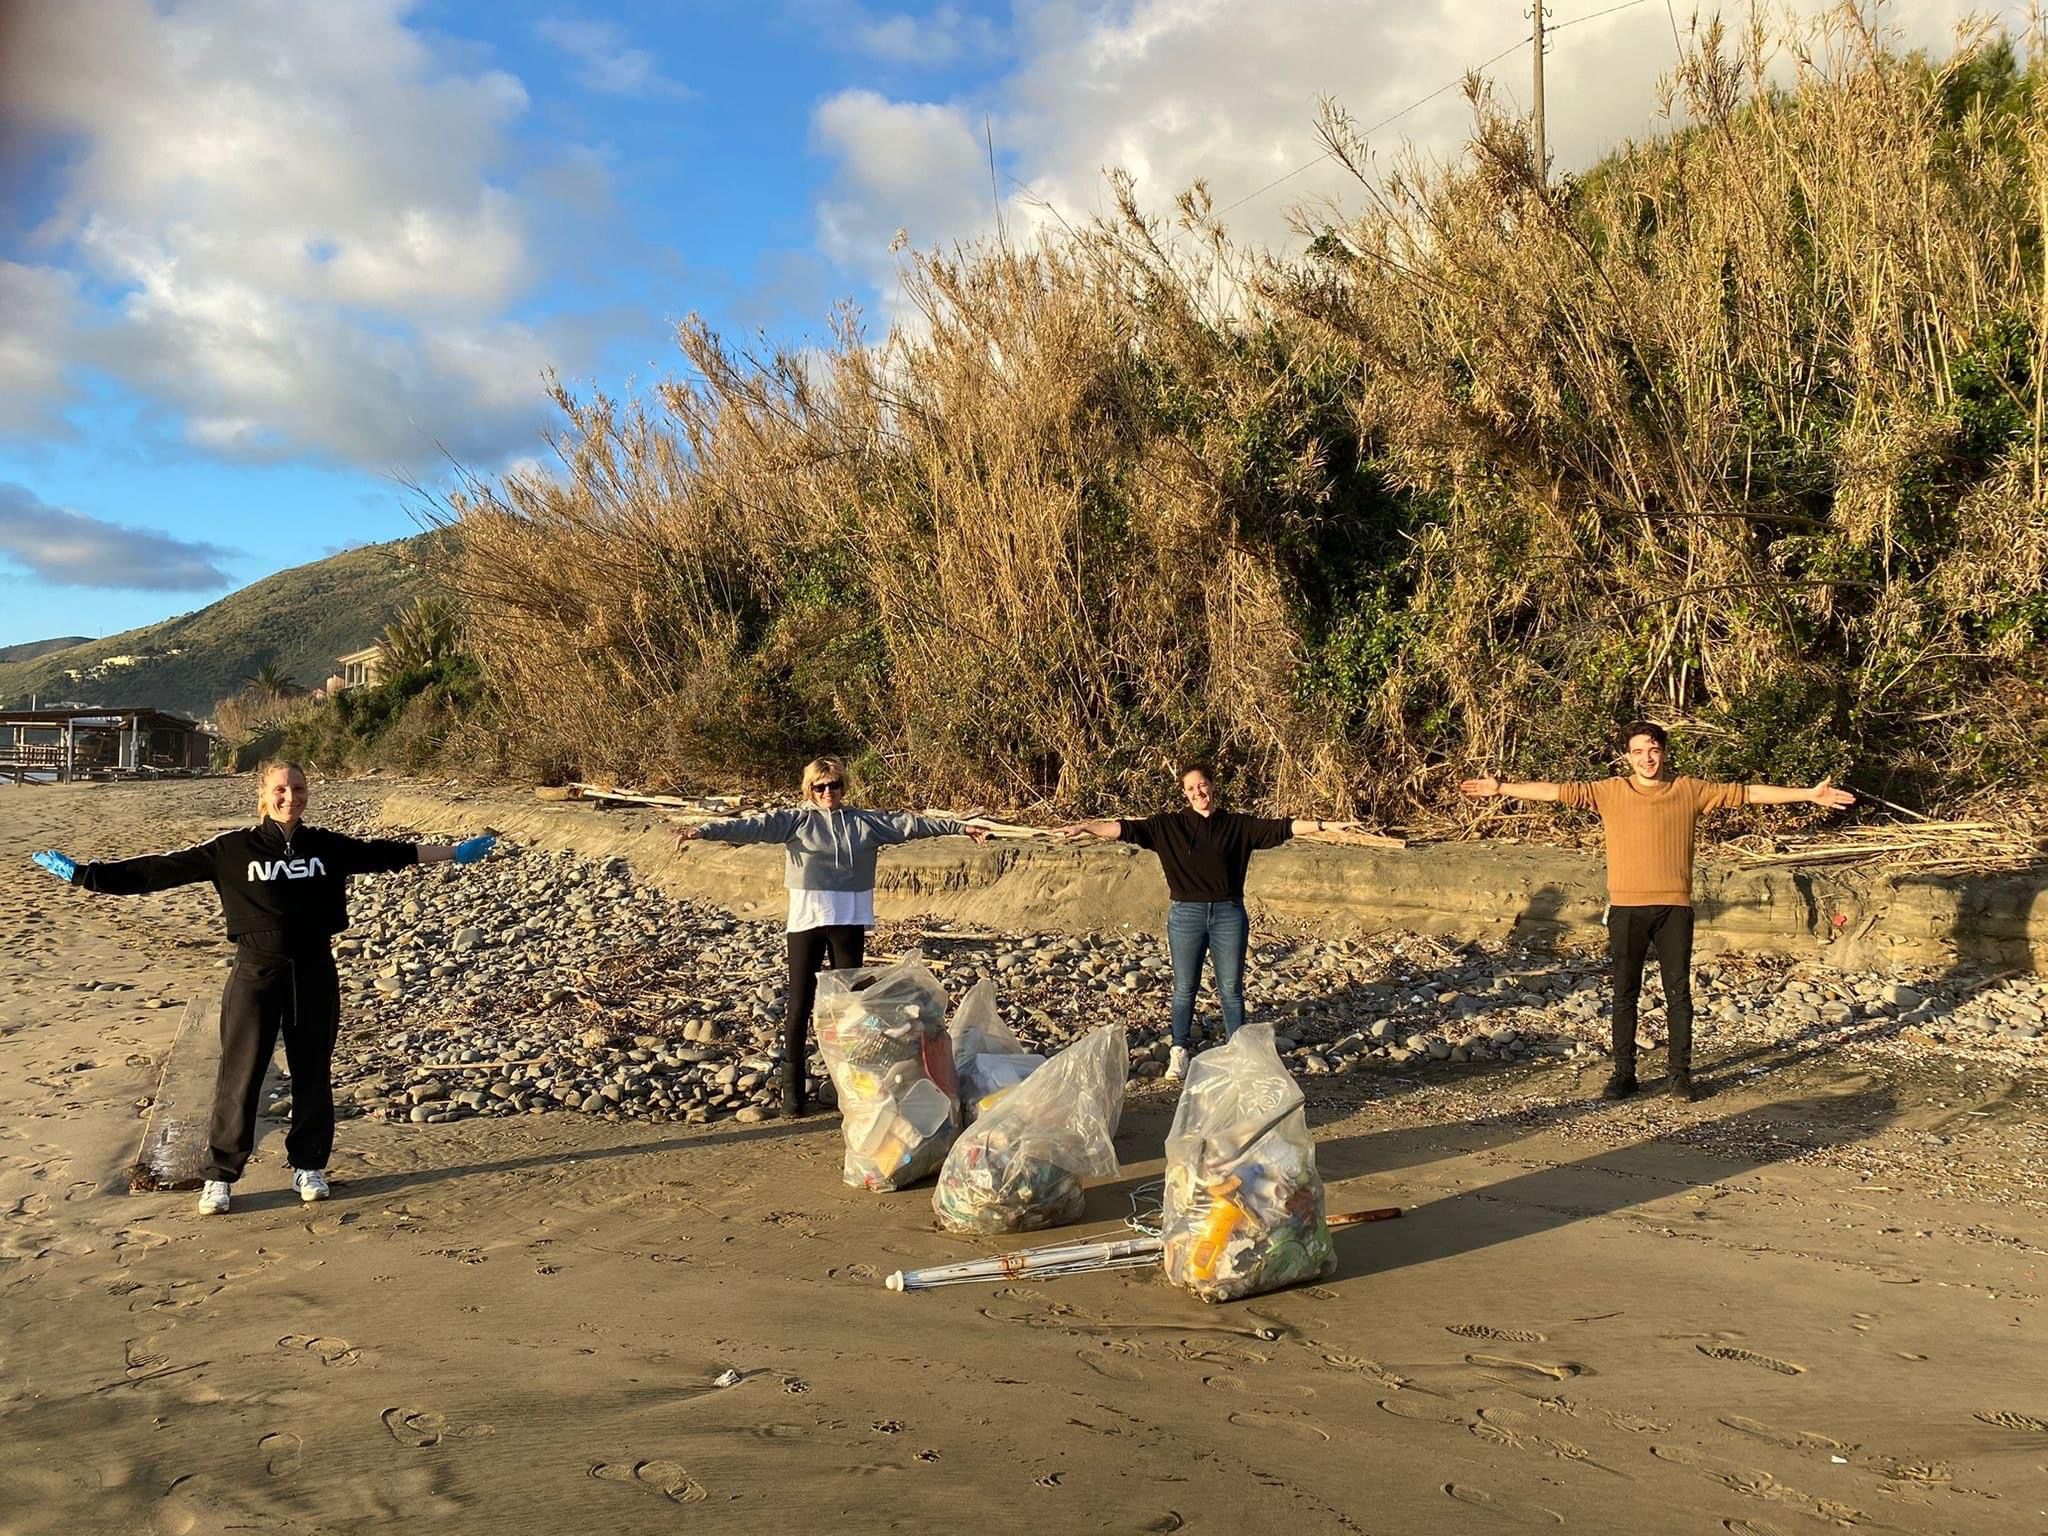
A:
{"points": [[1632, 932], [844, 944], [298, 996]]}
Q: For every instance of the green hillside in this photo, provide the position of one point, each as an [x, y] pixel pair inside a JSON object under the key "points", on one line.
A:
{"points": [[298, 620], [29, 650]]}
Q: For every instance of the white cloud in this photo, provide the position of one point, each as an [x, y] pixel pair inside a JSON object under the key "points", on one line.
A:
{"points": [[605, 62], [38, 314], [916, 166], [303, 215], [70, 549], [945, 34]]}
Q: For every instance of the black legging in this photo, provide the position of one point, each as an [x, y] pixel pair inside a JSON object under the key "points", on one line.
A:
{"points": [[1632, 932], [267, 994], [846, 944]]}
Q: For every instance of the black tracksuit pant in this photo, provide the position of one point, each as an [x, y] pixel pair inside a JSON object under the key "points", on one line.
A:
{"points": [[845, 944], [268, 994], [1632, 933]]}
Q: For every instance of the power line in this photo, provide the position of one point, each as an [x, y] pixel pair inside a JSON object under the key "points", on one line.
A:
{"points": [[1448, 85], [1559, 26], [1423, 101]]}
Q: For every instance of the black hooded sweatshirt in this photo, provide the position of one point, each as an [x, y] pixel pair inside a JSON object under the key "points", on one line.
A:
{"points": [[277, 893]]}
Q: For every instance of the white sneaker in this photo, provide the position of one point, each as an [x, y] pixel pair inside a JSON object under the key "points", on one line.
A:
{"points": [[213, 1198], [1176, 1064], [311, 1183]]}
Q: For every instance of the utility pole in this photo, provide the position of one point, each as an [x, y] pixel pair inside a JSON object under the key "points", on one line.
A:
{"points": [[1542, 151]]}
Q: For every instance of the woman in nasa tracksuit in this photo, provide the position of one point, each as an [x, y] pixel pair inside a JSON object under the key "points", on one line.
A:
{"points": [[284, 893]]}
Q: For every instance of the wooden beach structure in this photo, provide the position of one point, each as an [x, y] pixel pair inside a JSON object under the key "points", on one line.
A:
{"points": [[90, 742]]}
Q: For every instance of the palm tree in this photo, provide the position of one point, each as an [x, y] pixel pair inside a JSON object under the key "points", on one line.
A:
{"points": [[273, 680]]}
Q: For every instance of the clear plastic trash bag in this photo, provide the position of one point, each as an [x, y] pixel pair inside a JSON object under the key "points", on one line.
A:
{"points": [[882, 1032], [1243, 1209], [988, 1057], [1020, 1166]]}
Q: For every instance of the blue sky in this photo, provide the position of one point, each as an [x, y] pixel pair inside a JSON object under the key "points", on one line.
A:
{"points": [[264, 262]]}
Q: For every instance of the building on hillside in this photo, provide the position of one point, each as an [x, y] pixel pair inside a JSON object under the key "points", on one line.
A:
{"points": [[358, 669], [93, 742]]}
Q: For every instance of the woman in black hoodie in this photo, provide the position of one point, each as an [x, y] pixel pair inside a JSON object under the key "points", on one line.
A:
{"points": [[284, 893]]}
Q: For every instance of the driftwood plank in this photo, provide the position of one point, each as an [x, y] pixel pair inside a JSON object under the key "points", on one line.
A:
{"points": [[173, 1154]]}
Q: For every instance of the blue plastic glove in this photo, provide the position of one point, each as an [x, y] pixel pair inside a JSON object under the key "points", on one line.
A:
{"points": [[62, 865], [475, 848]]}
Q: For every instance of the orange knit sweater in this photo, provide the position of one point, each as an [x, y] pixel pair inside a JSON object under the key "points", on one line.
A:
{"points": [[1650, 833]]}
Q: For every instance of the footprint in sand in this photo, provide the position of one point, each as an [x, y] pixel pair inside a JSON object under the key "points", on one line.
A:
{"points": [[1506, 1509], [327, 1351], [1112, 1366], [1498, 1335], [1299, 1429], [1750, 1357], [1238, 1385], [1756, 1483], [415, 1431], [143, 1357], [282, 1453], [1791, 1439], [1423, 1411], [2005, 1418], [666, 1478], [1512, 1428], [1553, 1370]]}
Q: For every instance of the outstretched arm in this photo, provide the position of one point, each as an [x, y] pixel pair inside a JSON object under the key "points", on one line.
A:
{"points": [[468, 851], [1487, 787], [767, 827], [907, 826], [1074, 831], [1822, 793], [133, 877], [1304, 826]]}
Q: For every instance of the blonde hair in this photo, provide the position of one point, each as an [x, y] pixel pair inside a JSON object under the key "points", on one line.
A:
{"points": [[821, 768], [264, 770]]}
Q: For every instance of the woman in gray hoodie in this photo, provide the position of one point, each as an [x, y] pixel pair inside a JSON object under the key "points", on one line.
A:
{"points": [[830, 872]]}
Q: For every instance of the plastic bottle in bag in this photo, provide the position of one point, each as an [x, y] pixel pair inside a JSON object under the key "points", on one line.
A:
{"points": [[988, 1057], [882, 1033], [1020, 1166], [1243, 1209]]}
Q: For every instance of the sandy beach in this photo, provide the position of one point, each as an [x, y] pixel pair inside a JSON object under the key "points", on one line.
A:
{"points": [[1812, 1301]]}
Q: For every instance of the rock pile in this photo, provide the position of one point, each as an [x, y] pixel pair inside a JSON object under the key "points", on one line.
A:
{"points": [[538, 981]]}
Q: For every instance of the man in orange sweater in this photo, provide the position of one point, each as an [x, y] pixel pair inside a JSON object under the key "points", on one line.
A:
{"points": [[1649, 821]]}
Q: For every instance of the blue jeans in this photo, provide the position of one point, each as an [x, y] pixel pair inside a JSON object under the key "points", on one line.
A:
{"points": [[1220, 929]]}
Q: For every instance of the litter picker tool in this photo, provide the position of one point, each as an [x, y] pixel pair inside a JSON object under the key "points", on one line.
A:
{"points": [[1056, 1260]]}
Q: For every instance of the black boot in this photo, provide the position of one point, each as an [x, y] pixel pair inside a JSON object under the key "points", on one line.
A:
{"points": [[792, 1094], [1620, 1086]]}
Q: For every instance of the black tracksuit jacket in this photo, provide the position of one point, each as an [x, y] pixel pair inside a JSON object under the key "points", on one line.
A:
{"points": [[277, 894]]}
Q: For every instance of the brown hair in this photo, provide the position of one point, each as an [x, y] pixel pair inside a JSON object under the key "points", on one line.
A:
{"points": [[1649, 728], [1199, 765], [264, 770]]}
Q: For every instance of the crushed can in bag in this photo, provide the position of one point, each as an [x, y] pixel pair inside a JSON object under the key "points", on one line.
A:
{"points": [[1243, 1209], [988, 1057], [882, 1033], [1020, 1166]]}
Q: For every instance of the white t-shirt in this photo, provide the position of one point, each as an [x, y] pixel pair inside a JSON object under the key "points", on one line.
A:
{"points": [[831, 909]]}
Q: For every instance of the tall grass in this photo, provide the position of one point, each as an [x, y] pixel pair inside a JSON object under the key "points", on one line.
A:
{"points": [[1742, 429]]}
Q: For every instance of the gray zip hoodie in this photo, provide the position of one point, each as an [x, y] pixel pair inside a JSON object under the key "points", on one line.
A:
{"points": [[829, 850]]}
